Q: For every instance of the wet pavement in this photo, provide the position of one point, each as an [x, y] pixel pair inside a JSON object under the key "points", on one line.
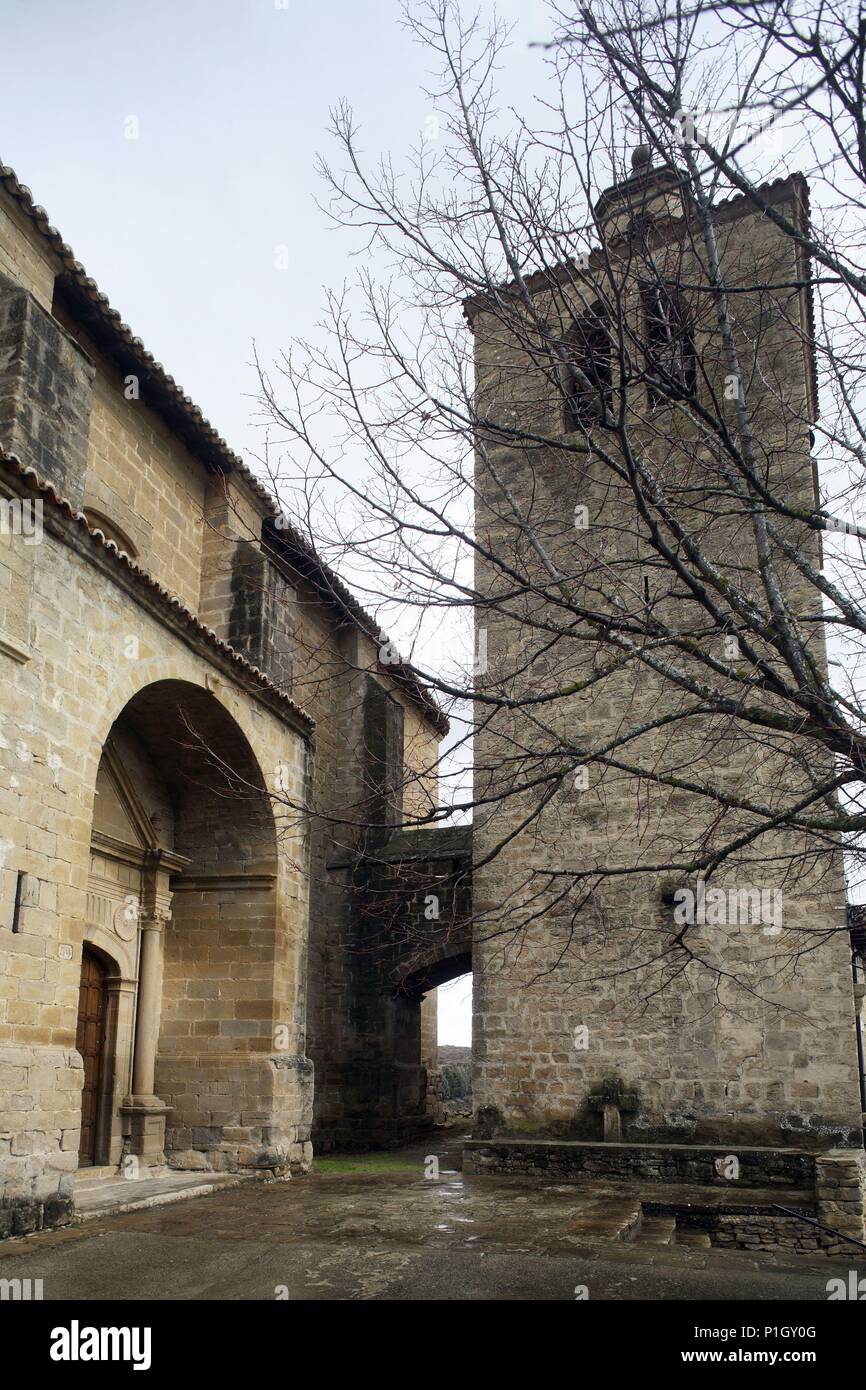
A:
{"points": [[392, 1227]]}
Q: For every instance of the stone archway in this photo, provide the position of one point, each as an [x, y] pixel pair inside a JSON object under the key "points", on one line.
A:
{"points": [[409, 929], [435, 973], [418, 1003], [128, 891], [183, 892]]}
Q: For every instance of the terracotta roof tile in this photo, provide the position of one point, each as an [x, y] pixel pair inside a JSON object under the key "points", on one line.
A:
{"points": [[302, 558], [211, 446], [48, 493]]}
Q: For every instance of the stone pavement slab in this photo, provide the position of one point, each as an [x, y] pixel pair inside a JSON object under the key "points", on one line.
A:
{"points": [[395, 1235], [108, 1196]]}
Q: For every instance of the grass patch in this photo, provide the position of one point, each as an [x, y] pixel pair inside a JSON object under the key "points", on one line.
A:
{"points": [[366, 1163]]}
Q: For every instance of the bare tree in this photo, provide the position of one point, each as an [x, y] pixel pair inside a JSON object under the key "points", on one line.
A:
{"points": [[652, 467]]}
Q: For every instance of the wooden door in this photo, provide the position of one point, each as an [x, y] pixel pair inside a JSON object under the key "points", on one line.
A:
{"points": [[90, 1042]]}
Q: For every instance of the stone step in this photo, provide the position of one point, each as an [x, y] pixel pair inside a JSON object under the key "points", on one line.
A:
{"points": [[611, 1219], [111, 1173], [83, 1176], [697, 1240], [656, 1230], [94, 1200]]}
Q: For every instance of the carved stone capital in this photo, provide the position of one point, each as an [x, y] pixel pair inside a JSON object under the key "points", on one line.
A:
{"points": [[155, 918]]}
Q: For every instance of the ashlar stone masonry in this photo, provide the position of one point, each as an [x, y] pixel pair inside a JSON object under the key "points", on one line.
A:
{"points": [[187, 695], [689, 1060]]}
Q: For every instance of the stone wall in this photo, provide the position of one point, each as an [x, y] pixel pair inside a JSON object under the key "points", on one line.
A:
{"points": [[781, 1235], [97, 638], [39, 1122], [261, 621], [376, 758], [841, 1187], [141, 475], [24, 258], [46, 385], [751, 1039], [664, 1163]]}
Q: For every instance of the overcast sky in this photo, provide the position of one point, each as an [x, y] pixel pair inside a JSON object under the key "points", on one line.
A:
{"points": [[231, 98], [180, 226]]}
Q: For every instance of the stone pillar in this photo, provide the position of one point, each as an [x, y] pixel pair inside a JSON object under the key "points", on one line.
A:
{"points": [[144, 1112], [434, 1103], [841, 1185], [430, 1056], [149, 1003], [119, 1017]]}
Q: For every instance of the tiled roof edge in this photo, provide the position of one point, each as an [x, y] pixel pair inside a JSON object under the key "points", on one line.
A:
{"points": [[164, 598], [331, 587], [302, 557], [570, 268]]}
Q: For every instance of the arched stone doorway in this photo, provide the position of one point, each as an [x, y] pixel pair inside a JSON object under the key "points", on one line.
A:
{"points": [[182, 900]]}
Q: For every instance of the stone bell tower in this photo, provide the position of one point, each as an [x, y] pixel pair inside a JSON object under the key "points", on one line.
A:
{"points": [[590, 1022]]}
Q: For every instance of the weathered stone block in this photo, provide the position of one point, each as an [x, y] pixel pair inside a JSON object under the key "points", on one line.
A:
{"points": [[46, 384]]}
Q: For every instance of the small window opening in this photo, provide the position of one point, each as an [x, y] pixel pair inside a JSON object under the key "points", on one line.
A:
{"points": [[669, 348], [585, 375], [16, 910]]}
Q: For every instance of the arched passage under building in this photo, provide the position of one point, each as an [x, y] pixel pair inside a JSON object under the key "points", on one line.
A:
{"points": [[446, 1041], [417, 998], [409, 931]]}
